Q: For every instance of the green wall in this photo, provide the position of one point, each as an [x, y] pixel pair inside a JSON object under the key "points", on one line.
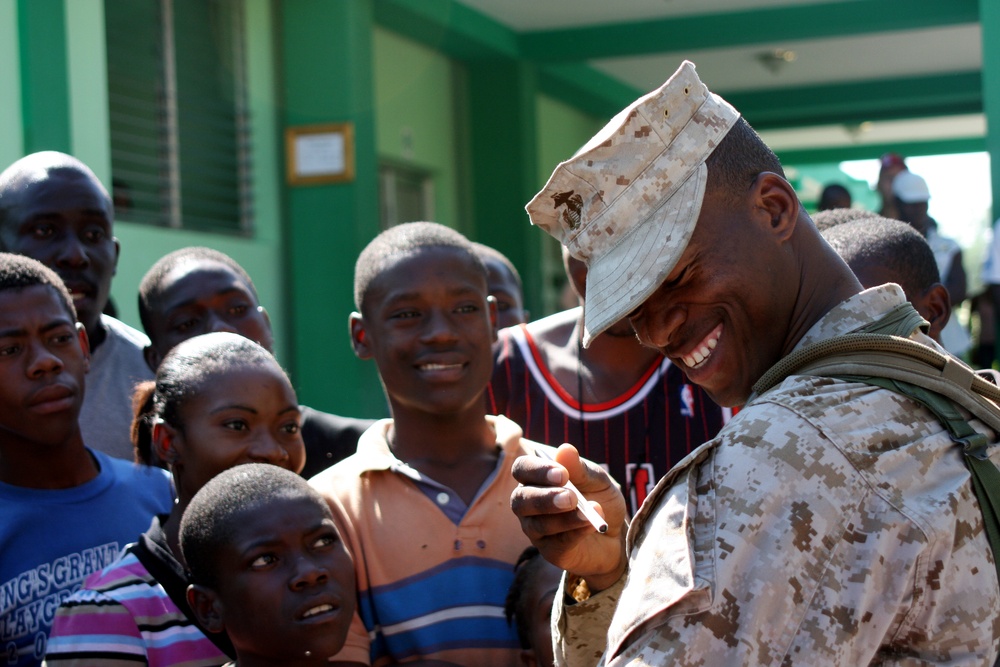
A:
{"points": [[562, 130], [11, 143], [88, 85], [416, 116], [421, 114]]}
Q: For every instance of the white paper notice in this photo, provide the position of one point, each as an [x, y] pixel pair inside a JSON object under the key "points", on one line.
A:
{"points": [[319, 154]]}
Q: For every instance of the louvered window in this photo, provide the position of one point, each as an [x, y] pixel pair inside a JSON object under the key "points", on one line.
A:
{"points": [[180, 132]]}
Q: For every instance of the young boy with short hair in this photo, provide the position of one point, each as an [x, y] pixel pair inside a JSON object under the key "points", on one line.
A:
{"points": [[53, 208], [880, 250], [67, 510], [197, 290], [268, 567], [504, 284], [424, 505]]}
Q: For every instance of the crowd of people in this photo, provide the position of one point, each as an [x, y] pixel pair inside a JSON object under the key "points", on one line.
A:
{"points": [[905, 196], [168, 500]]}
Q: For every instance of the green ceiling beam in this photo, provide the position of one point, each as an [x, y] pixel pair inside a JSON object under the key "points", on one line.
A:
{"points": [[835, 154], [587, 89], [741, 28], [448, 26], [467, 35], [949, 94], [856, 102]]}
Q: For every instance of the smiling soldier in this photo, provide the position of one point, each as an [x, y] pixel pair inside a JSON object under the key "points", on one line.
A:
{"points": [[830, 522]]}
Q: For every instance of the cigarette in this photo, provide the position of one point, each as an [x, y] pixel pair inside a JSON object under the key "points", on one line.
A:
{"points": [[582, 504]]}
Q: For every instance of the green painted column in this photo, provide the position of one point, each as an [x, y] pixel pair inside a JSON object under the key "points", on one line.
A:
{"points": [[989, 20], [45, 106], [501, 103], [11, 134], [326, 69]]}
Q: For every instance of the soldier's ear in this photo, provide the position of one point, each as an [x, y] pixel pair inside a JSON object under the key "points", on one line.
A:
{"points": [[775, 204]]}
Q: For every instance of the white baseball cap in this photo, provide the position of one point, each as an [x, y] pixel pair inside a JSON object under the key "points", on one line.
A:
{"points": [[910, 188]]}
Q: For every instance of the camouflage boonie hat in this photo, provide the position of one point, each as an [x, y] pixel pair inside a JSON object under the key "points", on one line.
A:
{"points": [[628, 201]]}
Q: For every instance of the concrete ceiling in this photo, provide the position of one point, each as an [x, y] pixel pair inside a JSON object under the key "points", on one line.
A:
{"points": [[864, 71]]}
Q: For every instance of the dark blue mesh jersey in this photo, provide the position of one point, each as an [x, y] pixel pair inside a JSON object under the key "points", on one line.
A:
{"points": [[637, 437]]}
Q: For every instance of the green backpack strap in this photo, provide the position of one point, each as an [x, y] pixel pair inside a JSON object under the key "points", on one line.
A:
{"points": [[879, 355], [902, 320]]}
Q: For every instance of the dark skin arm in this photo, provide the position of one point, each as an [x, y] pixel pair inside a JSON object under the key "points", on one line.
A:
{"points": [[994, 292], [955, 281], [884, 188], [549, 517]]}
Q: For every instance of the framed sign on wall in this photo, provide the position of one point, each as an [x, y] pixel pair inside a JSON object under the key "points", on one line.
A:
{"points": [[317, 154]]}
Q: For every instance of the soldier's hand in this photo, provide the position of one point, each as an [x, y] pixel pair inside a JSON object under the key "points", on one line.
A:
{"points": [[549, 516]]}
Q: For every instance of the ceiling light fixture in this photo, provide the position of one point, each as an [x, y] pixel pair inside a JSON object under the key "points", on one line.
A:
{"points": [[857, 130], [776, 59]]}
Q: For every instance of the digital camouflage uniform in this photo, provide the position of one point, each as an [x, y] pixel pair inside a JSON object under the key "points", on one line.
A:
{"points": [[829, 523]]}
